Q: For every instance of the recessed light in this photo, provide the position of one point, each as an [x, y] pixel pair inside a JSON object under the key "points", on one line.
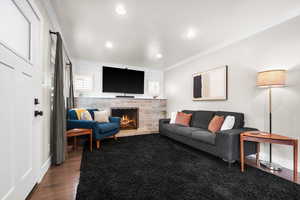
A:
{"points": [[120, 9], [109, 44], [159, 56], [190, 34]]}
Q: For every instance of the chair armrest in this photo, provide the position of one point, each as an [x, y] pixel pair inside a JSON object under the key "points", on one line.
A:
{"points": [[88, 124], [228, 142], [115, 120]]}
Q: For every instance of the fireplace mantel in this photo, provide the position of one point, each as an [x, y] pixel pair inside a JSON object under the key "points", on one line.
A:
{"points": [[150, 110]]}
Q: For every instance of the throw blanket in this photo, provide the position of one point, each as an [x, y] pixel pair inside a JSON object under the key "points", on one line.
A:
{"points": [[79, 111]]}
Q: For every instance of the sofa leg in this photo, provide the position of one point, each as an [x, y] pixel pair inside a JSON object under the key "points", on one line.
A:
{"points": [[98, 144], [229, 162]]}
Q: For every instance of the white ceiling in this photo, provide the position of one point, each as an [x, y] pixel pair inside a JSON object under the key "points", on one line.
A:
{"points": [[158, 26]]}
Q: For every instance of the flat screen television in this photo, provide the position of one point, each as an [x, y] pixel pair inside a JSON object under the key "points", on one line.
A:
{"points": [[122, 80]]}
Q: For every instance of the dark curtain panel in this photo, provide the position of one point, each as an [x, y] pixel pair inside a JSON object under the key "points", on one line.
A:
{"points": [[59, 112], [71, 89]]}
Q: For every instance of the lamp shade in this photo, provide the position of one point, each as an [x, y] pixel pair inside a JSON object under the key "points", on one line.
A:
{"points": [[271, 78]]}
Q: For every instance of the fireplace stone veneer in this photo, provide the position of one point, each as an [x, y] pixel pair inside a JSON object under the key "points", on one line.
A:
{"points": [[149, 110]]}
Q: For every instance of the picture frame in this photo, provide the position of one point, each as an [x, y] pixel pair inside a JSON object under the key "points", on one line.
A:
{"points": [[211, 85]]}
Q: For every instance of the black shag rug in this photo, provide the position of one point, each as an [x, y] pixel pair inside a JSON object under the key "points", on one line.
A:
{"points": [[155, 167]]}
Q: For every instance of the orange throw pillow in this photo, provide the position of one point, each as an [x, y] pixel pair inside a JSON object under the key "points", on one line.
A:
{"points": [[216, 123], [183, 119]]}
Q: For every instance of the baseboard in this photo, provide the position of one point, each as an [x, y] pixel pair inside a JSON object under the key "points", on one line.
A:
{"points": [[44, 169]]}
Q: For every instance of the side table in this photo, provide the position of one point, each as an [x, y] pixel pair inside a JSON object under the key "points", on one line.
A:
{"points": [[263, 137], [78, 132]]}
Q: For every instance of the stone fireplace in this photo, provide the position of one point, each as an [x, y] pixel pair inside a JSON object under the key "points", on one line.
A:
{"points": [[149, 111], [129, 117]]}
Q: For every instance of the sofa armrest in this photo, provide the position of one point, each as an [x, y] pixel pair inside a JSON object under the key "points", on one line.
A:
{"points": [[71, 124], [115, 120], [164, 121], [161, 124], [228, 143]]}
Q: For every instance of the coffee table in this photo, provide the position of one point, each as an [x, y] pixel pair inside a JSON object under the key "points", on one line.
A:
{"points": [[264, 137]]}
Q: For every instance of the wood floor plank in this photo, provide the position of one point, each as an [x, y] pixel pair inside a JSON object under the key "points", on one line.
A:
{"points": [[60, 182]]}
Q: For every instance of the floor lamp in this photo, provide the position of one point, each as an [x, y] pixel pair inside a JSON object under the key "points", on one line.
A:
{"points": [[270, 79]]}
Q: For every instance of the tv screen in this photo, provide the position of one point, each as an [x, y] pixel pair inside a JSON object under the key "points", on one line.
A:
{"points": [[122, 80]]}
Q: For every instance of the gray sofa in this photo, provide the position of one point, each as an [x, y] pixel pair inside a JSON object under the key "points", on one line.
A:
{"points": [[224, 144]]}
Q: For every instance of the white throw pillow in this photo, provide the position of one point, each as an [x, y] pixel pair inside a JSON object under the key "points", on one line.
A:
{"points": [[173, 117], [228, 123], [86, 116], [101, 116]]}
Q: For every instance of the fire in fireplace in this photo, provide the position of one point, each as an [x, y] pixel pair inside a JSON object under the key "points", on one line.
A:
{"points": [[129, 117]]}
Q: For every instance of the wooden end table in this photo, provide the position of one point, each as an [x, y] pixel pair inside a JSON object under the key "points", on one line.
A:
{"points": [[263, 137], [78, 132]]}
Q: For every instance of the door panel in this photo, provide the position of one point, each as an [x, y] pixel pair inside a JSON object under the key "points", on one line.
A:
{"points": [[19, 72], [23, 142], [6, 140], [17, 34]]}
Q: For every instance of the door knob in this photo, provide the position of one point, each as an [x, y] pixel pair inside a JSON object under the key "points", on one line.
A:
{"points": [[37, 113]]}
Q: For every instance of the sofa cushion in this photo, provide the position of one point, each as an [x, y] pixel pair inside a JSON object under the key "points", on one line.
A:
{"points": [[204, 136], [216, 123], [101, 116], [183, 119], [106, 127], [179, 129], [185, 131], [91, 111], [200, 118], [239, 118], [72, 115], [228, 123], [86, 115]]}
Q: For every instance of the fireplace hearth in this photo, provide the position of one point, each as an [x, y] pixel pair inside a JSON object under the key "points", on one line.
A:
{"points": [[129, 117]]}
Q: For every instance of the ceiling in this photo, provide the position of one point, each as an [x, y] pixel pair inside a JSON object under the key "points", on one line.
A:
{"points": [[153, 27]]}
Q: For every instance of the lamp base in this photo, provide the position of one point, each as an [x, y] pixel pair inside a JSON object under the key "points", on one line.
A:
{"points": [[270, 166]]}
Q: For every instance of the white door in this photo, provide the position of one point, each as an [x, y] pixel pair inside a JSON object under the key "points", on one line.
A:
{"points": [[19, 85]]}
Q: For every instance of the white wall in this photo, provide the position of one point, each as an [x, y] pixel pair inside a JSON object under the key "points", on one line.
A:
{"points": [[277, 47], [47, 71], [49, 23], [94, 70]]}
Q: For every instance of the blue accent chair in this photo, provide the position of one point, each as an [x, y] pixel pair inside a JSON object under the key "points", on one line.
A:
{"points": [[100, 129]]}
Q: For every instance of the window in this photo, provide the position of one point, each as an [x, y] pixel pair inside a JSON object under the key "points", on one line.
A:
{"points": [[83, 83]]}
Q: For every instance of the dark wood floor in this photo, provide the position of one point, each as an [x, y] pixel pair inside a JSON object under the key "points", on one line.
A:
{"points": [[60, 182]]}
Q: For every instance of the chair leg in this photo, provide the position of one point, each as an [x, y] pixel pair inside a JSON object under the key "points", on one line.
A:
{"points": [[98, 144], [115, 137]]}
